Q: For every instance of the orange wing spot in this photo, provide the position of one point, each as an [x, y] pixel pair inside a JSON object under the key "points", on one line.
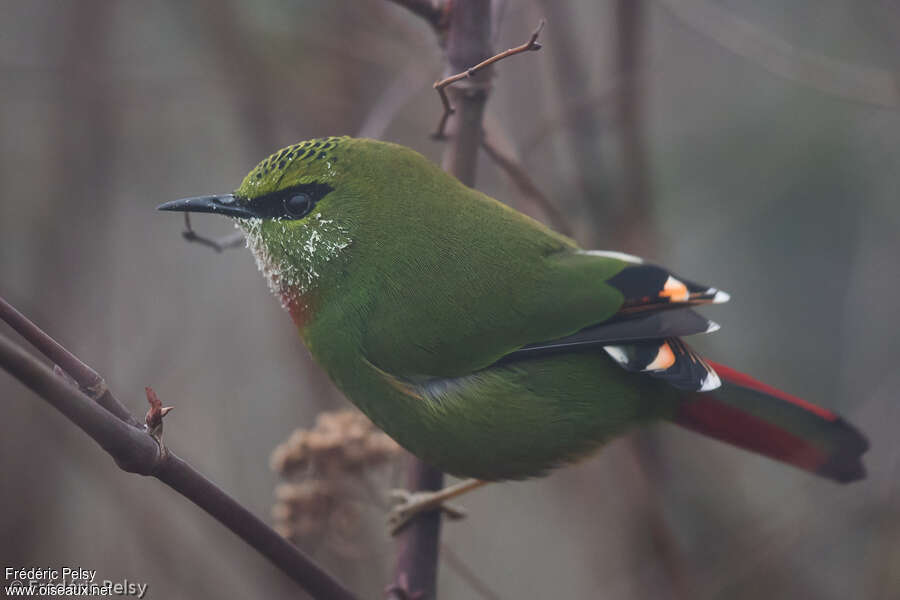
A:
{"points": [[665, 358], [675, 291]]}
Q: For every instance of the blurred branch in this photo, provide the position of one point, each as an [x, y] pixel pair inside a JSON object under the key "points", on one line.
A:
{"points": [[467, 574], [636, 220], [434, 12], [871, 85], [572, 71], [517, 172], [573, 112], [636, 232], [392, 99], [498, 13], [530, 46], [251, 82], [135, 450], [649, 474]]}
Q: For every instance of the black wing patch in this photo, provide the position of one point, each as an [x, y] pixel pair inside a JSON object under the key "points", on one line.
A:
{"points": [[649, 287], [670, 359], [643, 336], [653, 326]]}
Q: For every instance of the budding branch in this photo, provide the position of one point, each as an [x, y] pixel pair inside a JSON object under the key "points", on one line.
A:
{"points": [[81, 394]]}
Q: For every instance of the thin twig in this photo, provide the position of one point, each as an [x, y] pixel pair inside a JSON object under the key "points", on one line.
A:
{"points": [[520, 177], [223, 243], [529, 46], [136, 451]]}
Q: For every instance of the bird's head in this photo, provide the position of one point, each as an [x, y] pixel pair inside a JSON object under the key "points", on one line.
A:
{"points": [[300, 208]]}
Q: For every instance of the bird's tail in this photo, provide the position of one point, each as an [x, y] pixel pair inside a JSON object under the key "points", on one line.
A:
{"points": [[757, 417]]}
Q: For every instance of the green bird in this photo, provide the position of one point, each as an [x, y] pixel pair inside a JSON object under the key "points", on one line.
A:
{"points": [[485, 343]]}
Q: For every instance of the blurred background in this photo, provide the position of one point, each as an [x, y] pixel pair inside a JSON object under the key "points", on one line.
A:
{"points": [[754, 147]]}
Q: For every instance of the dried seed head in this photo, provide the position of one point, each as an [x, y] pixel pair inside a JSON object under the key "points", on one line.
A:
{"points": [[323, 473], [341, 441]]}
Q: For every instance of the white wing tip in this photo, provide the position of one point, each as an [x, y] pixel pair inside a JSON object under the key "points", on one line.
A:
{"points": [[712, 326], [710, 382], [721, 297], [617, 354]]}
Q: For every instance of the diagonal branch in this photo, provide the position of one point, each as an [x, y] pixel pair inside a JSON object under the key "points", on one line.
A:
{"points": [[860, 83], [88, 380], [132, 449], [135, 450], [517, 172]]}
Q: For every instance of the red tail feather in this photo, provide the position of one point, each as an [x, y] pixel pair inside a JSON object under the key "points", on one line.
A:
{"points": [[757, 417], [742, 379]]}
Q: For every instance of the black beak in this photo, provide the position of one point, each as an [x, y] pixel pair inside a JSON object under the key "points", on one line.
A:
{"points": [[225, 204]]}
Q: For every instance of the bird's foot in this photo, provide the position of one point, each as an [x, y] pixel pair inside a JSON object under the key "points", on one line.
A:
{"points": [[411, 504]]}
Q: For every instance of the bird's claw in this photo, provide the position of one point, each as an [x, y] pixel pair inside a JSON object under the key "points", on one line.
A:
{"points": [[411, 504]]}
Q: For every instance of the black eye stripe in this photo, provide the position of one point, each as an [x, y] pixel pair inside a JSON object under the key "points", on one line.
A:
{"points": [[277, 205]]}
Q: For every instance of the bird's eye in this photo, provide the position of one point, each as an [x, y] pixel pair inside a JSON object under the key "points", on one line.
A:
{"points": [[298, 205]]}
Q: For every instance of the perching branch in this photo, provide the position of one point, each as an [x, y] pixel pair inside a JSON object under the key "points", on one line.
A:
{"points": [[529, 46], [135, 450], [418, 543], [89, 381], [468, 40]]}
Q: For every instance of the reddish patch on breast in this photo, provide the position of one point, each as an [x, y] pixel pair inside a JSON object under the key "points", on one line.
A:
{"points": [[299, 309]]}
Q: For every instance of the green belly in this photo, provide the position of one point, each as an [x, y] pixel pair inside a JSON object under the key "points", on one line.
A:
{"points": [[513, 421]]}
